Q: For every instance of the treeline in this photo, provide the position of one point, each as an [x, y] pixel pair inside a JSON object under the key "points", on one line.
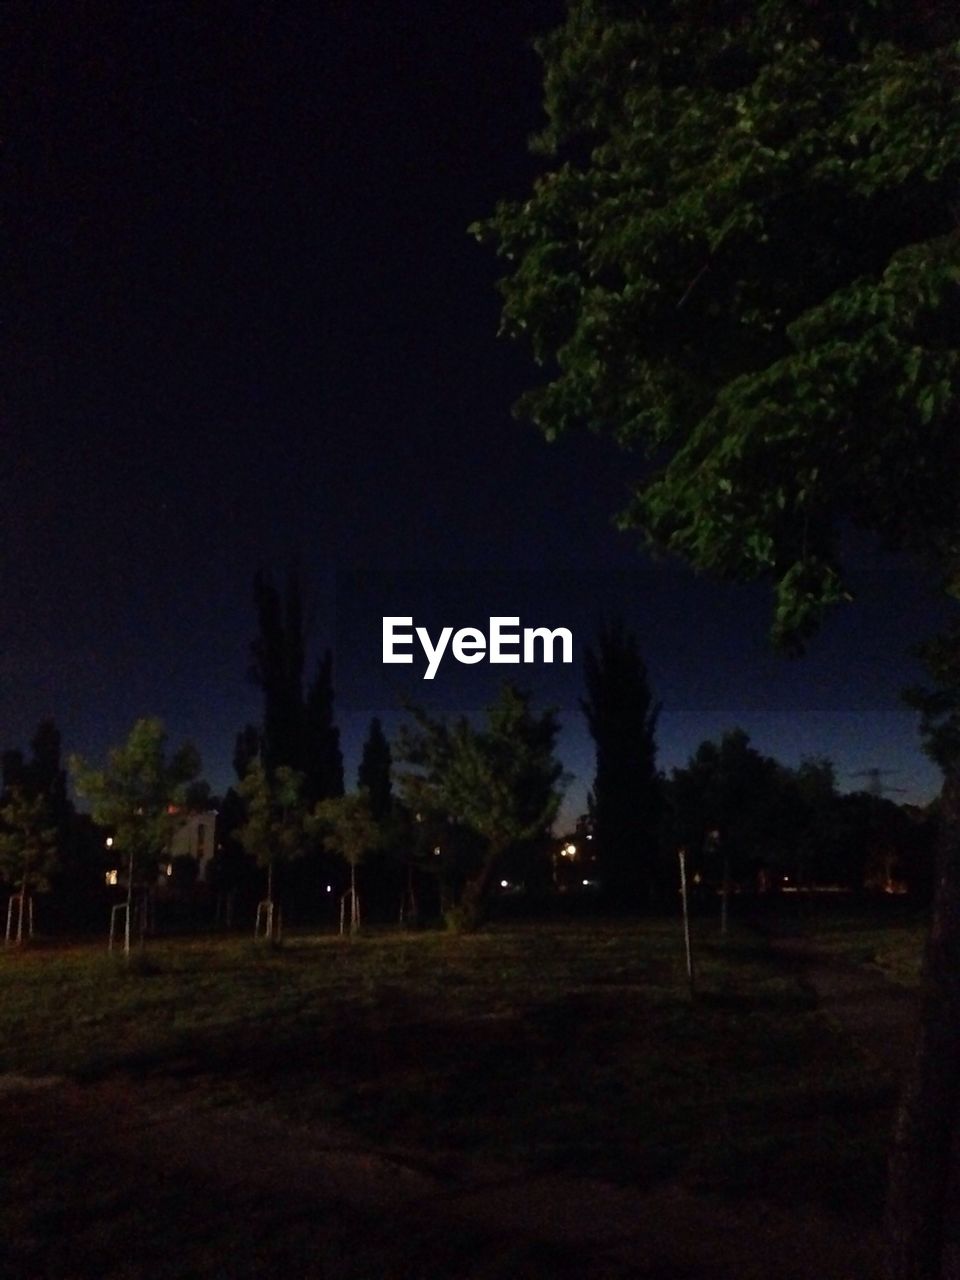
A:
{"points": [[439, 820], [46, 845], [744, 816]]}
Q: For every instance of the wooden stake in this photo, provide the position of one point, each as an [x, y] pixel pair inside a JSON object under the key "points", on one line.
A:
{"points": [[682, 854]]}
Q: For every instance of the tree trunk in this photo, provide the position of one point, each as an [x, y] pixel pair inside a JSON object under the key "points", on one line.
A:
{"points": [[476, 893], [923, 1210]]}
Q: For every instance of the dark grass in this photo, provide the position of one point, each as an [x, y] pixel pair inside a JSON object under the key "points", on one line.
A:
{"points": [[569, 1048], [885, 934]]}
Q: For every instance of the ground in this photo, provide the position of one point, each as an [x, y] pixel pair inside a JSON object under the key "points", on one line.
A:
{"points": [[541, 1100]]}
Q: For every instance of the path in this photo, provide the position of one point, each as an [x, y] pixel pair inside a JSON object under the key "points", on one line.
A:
{"points": [[154, 1185], [878, 1014]]}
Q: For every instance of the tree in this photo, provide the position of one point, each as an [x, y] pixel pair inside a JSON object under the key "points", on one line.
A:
{"points": [[388, 875], [322, 760], [298, 731], [625, 800], [502, 781], [273, 831], [232, 870], [348, 827], [246, 749], [815, 848], [745, 246], [741, 264], [13, 769], [28, 847], [136, 795], [40, 836], [42, 774], [724, 805], [277, 669], [374, 771], [738, 811], [45, 775]]}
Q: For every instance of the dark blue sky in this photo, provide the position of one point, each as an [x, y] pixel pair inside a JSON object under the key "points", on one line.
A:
{"points": [[247, 325]]}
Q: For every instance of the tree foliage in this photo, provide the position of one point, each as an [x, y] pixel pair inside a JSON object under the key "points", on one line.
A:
{"points": [[502, 781], [28, 840], [348, 828], [731, 789], [348, 825], [322, 758], [732, 801], [277, 669], [137, 793], [273, 829], [35, 813], [374, 773], [626, 798], [247, 747], [298, 730], [741, 262]]}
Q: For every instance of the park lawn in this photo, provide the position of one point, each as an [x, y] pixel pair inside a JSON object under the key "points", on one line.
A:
{"points": [[564, 1047], [887, 935]]}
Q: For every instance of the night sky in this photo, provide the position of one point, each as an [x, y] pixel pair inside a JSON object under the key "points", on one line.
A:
{"points": [[247, 327]]}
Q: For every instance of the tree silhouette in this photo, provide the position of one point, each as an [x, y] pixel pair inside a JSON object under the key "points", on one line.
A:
{"points": [[347, 826], [322, 760], [28, 847], [374, 771], [625, 801], [136, 795], [274, 826], [277, 669], [298, 731], [502, 781]]}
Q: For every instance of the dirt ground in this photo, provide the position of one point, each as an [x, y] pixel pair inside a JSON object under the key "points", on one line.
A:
{"points": [[153, 1183], [875, 1012]]}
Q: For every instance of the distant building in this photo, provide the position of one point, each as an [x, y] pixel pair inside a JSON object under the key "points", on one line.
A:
{"points": [[194, 838]]}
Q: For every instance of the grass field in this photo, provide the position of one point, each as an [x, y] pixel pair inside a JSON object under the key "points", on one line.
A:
{"points": [[571, 1049], [886, 936]]}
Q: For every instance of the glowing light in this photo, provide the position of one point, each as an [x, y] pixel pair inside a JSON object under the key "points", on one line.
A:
{"points": [[111, 877], [329, 888], [169, 868], [504, 884], [586, 882], [109, 842]]}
